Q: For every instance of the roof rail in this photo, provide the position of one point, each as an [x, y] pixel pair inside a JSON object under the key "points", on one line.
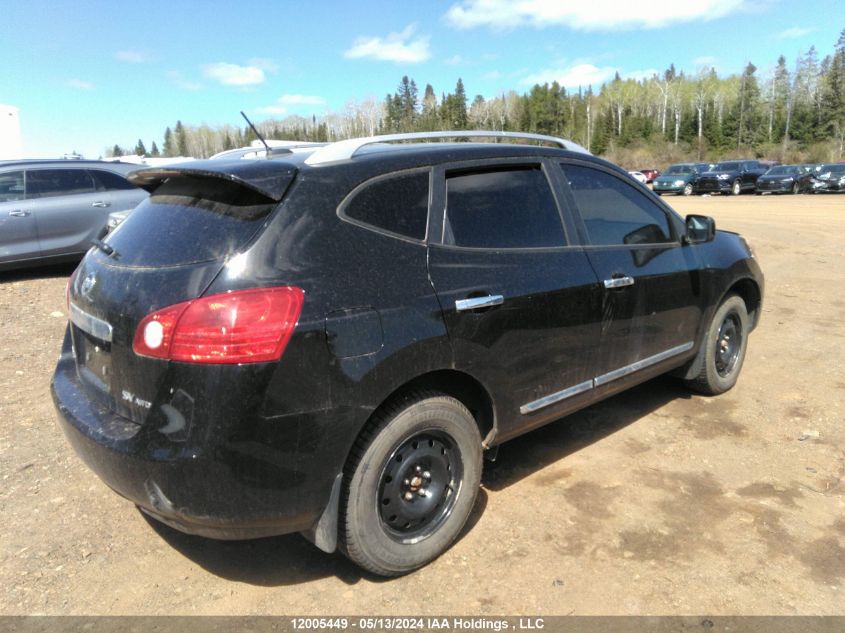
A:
{"points": [[343, 150]]}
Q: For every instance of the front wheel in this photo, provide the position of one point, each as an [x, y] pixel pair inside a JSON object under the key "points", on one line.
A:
{"points": [[796, 188], [736, 188], [410, 484], [688, 189], [723, 350]]}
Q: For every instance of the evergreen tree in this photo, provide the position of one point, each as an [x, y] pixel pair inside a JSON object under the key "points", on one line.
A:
{"points": [[168, 148], [116, 151], [181, 139], [460, 106], [140, 150], [154, 150]]}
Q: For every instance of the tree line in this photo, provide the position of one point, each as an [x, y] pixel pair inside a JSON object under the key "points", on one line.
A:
{"points": [[794, 111]]}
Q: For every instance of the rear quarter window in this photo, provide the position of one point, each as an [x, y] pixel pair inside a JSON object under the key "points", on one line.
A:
{"points": [[397, 203]]}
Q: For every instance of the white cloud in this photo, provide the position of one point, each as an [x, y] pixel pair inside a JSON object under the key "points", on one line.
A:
{"points": [[301, 100], [282, 103], [272, 110], [704, 61], [493, 75], [571, 77], [396, 47], [79, 84], [794, 33], [454, 60], [234, 75], [267, 65], [133, 57], [185, 84], [596, 15]]}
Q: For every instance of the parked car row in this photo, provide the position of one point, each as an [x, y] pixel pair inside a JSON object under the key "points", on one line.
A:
{"points": [[51, 210], [734, 177]]}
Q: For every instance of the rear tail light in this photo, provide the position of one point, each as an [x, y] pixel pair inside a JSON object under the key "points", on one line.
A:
{"points": [[244, 326]]}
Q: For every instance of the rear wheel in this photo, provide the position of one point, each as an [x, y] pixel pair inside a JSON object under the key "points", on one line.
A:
{"points": [[736, 188], [796, 188], [410, 484], [723, 351]]}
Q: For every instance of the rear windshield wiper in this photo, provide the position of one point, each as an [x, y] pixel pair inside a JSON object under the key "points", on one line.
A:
{"points": [[108, 250]]}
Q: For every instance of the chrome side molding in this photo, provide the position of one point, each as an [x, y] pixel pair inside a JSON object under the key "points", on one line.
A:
{"points": [[642, 364], [556, 397], [569, 392]]}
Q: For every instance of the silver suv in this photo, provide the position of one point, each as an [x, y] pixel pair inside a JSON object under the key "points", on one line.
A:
{"points": [[51, 210]]}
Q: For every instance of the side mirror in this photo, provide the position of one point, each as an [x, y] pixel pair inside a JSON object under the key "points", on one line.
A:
{"points": [[699, 229]]}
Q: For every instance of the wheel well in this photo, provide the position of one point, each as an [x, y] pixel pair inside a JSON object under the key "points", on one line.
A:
{"points": [[750, 294], [460, 386]]}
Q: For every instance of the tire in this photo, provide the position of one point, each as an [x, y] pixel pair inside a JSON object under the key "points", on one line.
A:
{"points": [[796, 188], [723, 350], [424, 443], [736, 188], [688, 189]]}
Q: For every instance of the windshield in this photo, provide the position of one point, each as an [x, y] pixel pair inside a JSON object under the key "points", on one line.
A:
{"points": [[675, 170], [837, 170], [731, 166], [187, 221]]}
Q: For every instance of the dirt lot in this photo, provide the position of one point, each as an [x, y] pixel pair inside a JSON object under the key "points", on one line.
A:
{"points": [[654, 502]]}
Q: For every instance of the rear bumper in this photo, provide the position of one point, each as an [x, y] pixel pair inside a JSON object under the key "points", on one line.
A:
{"points": [[226, 486], [661, 188], [773, 187]]}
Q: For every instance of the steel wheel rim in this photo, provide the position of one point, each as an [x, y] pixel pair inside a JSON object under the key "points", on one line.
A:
{"points": [[736, 188], [419, 485], [728, 344]]}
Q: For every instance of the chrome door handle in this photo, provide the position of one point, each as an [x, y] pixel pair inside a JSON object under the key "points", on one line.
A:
{"points": [[17, 213], [487, 301], [101, 205], [618, 282]]}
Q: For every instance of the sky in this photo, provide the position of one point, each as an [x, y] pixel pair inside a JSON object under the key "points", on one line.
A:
{"points": [[88, 74]]}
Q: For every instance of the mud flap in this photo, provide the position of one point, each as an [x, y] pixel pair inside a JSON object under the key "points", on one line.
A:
{"points": [[324, 532]]}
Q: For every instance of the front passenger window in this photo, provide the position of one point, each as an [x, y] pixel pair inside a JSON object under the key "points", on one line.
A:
{"points": [[614, 212]]}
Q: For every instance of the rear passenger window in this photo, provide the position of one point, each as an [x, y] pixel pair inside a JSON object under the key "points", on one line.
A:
{"points": [[614, 212], [11, 186], [397, 203], [45, 183], [109, 181], [501, 208]]}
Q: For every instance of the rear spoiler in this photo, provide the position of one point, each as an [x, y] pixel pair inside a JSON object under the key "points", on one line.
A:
{"points": [[266, 177]]}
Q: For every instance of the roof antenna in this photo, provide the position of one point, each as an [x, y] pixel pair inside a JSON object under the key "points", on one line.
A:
{"points": [[257, 133]]}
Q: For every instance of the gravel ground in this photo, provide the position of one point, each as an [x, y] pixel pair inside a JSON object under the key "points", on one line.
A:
{"points": [[654, 502]]}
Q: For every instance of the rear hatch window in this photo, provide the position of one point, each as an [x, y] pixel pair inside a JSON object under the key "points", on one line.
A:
{"points": [[189, 220]]}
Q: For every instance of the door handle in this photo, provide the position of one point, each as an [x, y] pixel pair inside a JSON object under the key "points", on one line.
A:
{"points": [[619, 282], [100, 204], [17, 213], [475, 303]]}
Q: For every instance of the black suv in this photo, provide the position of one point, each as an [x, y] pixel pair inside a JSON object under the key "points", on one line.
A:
{"points": [[326, 341], [730, 177]]}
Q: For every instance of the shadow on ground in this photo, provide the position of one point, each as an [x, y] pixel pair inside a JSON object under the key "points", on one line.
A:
{"points": [[277, 561], [40, 272]]}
